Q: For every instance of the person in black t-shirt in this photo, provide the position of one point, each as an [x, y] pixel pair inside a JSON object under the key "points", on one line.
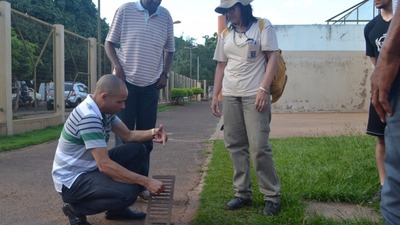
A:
{"points": [[375, 34]]}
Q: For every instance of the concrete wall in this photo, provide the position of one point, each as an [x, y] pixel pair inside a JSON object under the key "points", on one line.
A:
{"points": [[327, 69]]}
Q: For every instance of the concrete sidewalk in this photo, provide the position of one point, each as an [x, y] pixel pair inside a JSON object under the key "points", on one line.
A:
{"points": [[27, 195]]}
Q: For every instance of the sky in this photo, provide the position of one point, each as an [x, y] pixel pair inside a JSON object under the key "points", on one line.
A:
{"points": [[198, 17]]}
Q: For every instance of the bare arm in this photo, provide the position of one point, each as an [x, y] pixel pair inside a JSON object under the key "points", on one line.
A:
{"points": [[109, 48], [219, 75], [121, 174], [386, 69], [270, 72], [156, 134], [162, 82]]}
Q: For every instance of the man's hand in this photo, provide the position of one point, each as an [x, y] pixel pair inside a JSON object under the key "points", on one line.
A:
{"points": [[377, 96], [155, 186], [159, 135], [119, 72], [162, 81]]}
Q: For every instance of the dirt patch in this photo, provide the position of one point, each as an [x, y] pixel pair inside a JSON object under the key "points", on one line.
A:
{"points": [[342, 211]]}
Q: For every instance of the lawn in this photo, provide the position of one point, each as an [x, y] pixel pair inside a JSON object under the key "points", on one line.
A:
{"points": [[326, 169]]}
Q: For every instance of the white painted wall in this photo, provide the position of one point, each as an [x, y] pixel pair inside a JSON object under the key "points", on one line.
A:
{"points": [[327, 69]]}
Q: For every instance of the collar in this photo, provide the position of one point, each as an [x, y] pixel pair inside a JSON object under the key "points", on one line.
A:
{"points": [[141, 8], [91, 104]]}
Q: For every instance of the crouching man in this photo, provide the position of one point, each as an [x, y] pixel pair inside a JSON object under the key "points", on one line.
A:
{"points": [[92, 179]]}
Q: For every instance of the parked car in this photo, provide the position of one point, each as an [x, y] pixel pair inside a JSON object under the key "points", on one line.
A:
{"points": [[74, 94]]}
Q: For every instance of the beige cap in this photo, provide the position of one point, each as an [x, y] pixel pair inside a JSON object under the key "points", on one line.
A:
{"points": [[226, 4]]}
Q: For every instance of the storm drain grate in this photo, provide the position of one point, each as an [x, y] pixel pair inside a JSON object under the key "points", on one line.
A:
{"points": [[159, 208]]}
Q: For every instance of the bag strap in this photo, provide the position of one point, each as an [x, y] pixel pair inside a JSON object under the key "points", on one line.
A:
{"points": [[261, 24]]}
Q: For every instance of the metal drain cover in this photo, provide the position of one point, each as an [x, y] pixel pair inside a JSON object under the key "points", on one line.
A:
{"points": [[159, 207]]}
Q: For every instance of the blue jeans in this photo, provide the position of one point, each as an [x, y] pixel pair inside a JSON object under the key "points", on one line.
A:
{"points": [[140, 113], [390, 204], [95, 192]]}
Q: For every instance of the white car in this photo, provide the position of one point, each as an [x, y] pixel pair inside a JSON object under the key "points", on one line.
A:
{"points": [[74, 93]]}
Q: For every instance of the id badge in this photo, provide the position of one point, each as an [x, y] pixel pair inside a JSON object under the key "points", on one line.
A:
{"points": [[252, 50]]}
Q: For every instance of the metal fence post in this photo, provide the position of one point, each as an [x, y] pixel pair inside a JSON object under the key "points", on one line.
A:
{"points": [[5, 67], [93, 64], [59, 70]]}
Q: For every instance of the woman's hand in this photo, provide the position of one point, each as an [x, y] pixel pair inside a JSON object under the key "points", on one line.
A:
{"points": [[215, 107], [261, 100]]}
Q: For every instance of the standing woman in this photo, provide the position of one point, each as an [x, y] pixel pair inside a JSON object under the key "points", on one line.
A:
{"points": [[247, 55]]}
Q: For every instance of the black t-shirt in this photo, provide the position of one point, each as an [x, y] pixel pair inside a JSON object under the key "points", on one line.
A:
{"points": [[375, 34]]}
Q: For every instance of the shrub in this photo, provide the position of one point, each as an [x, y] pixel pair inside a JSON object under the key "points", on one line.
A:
{"points": [[178, 93], [189, 91], [197, 90]]}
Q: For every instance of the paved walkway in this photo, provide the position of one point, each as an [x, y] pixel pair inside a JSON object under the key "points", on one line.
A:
{"points": [[27, 195]]}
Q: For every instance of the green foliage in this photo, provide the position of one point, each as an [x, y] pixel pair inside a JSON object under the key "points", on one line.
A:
{"points": [[20, 58], [178, 93], [329, 169], [204, 52], [189, 91], [78, 16], [197, 90]]}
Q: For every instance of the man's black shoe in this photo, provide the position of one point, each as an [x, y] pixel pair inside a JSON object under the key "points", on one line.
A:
{"points": [[125, 214], [145, 195], [272, 208], [238, 203], [73, 219]]}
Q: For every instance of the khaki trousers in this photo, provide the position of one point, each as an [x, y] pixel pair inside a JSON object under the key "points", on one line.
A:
{"points": [[246, 135]]}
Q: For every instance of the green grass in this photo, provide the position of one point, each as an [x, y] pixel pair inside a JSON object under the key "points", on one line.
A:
{"points": [[8, 143], [36, 137], [327, 169]]}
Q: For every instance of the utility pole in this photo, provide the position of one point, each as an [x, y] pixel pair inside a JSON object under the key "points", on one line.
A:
{"points": [[198, 68], [190, 56], [98, 41]]}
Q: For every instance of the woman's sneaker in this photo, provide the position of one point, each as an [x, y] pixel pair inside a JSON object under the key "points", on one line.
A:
{"points": [[238, 203], [272, 208]]}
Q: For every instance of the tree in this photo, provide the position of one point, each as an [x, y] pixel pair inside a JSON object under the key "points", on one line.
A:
{"points": [[21, 63], [77, 16]]}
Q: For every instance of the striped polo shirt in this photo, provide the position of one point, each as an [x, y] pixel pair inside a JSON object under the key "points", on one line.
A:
{"points": [[142, 39], [86, 128]]}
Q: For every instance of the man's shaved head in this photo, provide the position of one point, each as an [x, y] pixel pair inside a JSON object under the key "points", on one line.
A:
{"points": [[110, 84]]}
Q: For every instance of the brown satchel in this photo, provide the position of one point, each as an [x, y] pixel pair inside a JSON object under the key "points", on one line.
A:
{"points": [[280, 79]]}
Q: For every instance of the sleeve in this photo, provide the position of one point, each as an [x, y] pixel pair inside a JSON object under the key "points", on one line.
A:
{"points": [[115, 120], [114, 33], [170, 44], [219, 54], [269, 41], [92, 132]]}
